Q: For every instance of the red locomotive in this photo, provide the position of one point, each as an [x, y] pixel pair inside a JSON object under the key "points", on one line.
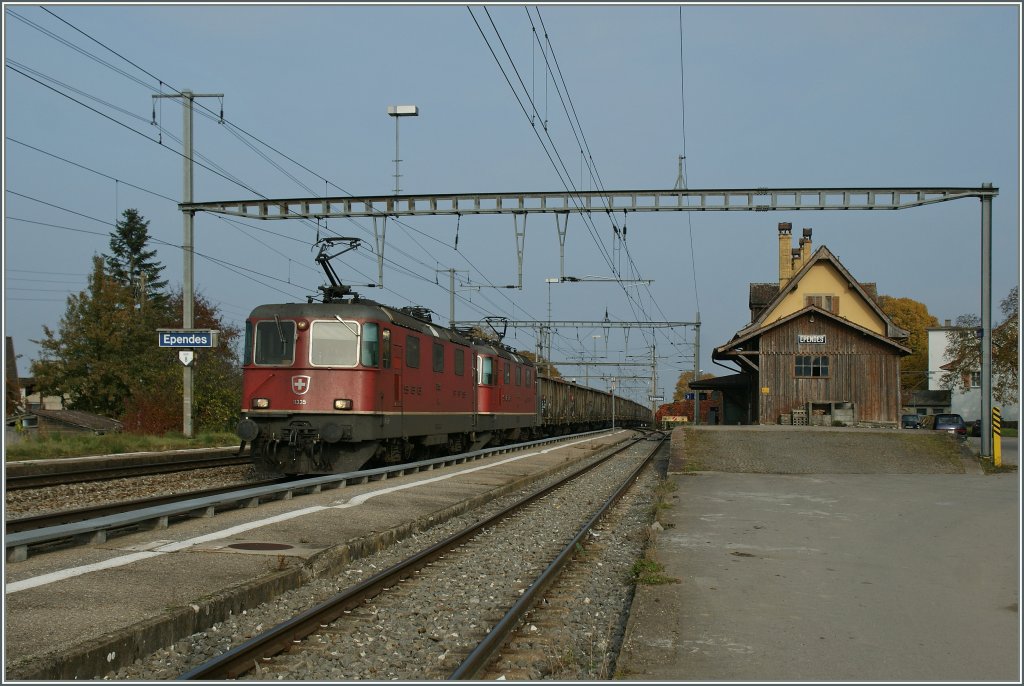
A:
{"points": [[330, 387]]}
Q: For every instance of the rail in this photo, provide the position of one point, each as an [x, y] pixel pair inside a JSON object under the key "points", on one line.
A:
{"points": [[240, 659], [95, 531]]}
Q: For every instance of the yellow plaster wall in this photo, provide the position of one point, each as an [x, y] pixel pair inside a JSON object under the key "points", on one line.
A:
{"points": [[824, 279]]}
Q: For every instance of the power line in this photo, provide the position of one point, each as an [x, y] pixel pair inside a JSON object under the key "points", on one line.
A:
{"points": [[222, 173], [682, 100]]}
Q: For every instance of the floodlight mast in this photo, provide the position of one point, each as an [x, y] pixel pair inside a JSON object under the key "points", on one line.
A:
{"points": [[398, 111]]}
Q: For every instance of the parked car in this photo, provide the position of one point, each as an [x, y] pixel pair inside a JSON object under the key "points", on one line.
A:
{"points": [[910, 421], [950, 423]]}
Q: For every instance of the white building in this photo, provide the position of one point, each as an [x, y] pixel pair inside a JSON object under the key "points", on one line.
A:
{"points": [[964, 403]]}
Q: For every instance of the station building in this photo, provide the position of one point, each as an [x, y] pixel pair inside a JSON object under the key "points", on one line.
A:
{"points": [[818, 349]]}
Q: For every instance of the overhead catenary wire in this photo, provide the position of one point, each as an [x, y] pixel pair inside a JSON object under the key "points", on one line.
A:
{"points": [[608, 260], [483, 275], [233, 127]]}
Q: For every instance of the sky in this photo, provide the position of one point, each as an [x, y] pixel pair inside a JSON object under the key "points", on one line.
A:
{"points": [[753, 96]]}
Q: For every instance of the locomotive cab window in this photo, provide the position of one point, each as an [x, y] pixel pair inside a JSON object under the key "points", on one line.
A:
{"points": [[247, 346], [508, 372], [486, 368], [370, 344], [460, 362], [334, 343], [438, 357], [519, 375], [275, 342], [412, 352], [385, 349]]}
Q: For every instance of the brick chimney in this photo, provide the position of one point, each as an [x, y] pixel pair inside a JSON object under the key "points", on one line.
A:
{"points": [[785, 258]]}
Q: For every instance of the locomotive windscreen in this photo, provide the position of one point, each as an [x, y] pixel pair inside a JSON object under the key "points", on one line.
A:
{"points": [[334, 343], [275, 342]]}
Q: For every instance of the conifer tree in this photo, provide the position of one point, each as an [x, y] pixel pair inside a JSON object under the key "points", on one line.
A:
{"points": [[131, 264]]}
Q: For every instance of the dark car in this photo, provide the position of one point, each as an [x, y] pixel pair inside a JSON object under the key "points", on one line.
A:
{"points": [[910, 421], [950, 423]]}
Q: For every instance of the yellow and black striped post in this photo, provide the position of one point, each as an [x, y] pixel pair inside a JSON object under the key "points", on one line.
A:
{"points": [[997, 443]]}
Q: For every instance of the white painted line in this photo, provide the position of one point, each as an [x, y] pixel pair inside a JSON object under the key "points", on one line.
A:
{"points": [[52, 577]]}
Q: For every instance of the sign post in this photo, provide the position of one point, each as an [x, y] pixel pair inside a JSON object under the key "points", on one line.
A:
{"points": [[187, 338], [997, 440]]}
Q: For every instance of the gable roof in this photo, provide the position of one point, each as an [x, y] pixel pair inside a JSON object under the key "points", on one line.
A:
{"points": [[84, 420], [751, 332], [823, 254], [762, 293]]}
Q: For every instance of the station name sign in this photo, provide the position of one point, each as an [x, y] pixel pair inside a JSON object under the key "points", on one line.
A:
{"points": [[810, 338], [187, 338]]}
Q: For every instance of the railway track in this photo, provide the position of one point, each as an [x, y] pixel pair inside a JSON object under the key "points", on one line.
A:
{"points": [[58, 518], [78, 470], [465, 594]]}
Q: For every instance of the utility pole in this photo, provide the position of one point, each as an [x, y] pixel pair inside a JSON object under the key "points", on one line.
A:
{"points": [[654, 375], [188, 287], [986, 324], [696, 371], [451, 271]]}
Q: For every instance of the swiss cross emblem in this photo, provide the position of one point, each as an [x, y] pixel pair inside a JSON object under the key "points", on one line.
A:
{"points": [[300, 384]]}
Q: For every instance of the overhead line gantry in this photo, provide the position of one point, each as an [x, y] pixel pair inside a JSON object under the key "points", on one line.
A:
{"points": [[563, 203]]}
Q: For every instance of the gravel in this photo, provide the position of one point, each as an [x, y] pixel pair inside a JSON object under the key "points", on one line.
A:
{"points": [[423, 629], [31, 502]]}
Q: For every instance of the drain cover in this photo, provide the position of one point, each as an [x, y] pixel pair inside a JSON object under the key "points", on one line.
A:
{"points": [[261, 546]]}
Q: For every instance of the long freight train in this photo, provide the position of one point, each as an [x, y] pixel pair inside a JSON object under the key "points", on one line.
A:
{"points": [[334, 386]]}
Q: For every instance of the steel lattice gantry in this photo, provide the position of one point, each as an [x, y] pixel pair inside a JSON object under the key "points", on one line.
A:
{"points": [[685, 200], [563, 203]]}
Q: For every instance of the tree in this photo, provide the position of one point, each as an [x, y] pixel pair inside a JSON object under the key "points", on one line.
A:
{"points": [[103, 348], [217, 378], [683, 384], [542, 364], [131, 264], [963, 350], [913, 316]]}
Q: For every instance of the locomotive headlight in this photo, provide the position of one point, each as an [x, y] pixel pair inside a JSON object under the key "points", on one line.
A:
{"points": [[343, 404], [260, 403]]}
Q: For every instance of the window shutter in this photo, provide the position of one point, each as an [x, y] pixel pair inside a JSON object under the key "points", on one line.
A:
{"points": [[835, 304]]}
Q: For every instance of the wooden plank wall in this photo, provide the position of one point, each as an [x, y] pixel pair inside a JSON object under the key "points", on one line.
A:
{"points": [[862, 370]]}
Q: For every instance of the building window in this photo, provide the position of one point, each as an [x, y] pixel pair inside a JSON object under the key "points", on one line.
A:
{"points": [[829, 303], [975, 379], [811, 365]]}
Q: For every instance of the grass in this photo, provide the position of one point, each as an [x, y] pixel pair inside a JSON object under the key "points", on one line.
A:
{"points": [[648, 572], [46, 446], [989, 468]]}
